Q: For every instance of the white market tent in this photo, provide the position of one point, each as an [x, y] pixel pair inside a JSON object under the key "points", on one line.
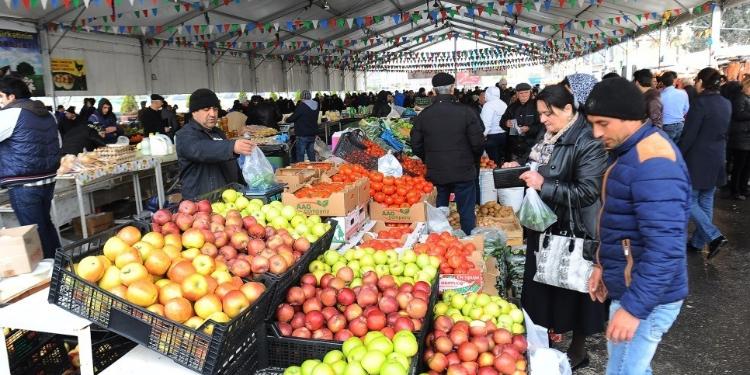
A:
{"points": [[176, 46]]}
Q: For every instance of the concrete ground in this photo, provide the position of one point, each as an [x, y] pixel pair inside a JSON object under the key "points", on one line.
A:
{"points": [[712, 333]]}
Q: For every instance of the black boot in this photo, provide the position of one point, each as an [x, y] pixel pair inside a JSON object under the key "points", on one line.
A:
{"points": [[715, 245]]}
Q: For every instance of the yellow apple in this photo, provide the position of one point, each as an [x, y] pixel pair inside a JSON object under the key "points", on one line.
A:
{"points": [[144, 248], [194, 287], [178, 309], [113, 247], [162, 282], [173, 251], [169, 291], [105, 261], [234, 302], [128, 256], [204, 264], [207, 305], [129, 235], [158, 262], [157, 309], [191, 253], [91, 269], [111, 278], [155, 239], [194, 322], [173, 240], [221, 276], [142, 293], [133, 272], [218, 317]]}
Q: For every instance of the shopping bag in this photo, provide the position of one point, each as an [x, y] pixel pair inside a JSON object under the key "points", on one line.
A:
{"points": [[322, 149], [389, 165], [437, 219], [257, 171], [543, 359], [534, 213]]}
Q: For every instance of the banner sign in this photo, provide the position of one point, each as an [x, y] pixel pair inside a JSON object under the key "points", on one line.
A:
{"points": [[68, 74], [20, 54]]}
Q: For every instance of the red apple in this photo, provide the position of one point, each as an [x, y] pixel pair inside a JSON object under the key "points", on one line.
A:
{"points": [[309, 290], [312, 304], [302, 332], [468, 352], [295, 296], [298, 320], [314, 320], [443, 323], [505, 364], [345, 297], [519, 342], [404, 298], [240, 268], [187, 207], [501, 336], [162, 216], [375, 320], [417, 308], [328, 297], [438, 362], [402, 324], [259, 265], [367, 296], [308, 278], [343, 335], [336, 323], [358, 326], [285, 328], [284, 313], [228, 252], [443, 345], [352, 312]]}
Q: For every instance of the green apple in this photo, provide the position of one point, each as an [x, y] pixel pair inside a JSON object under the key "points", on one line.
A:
{"points": [[257, 202], [354, 368], [337, 266], [372, 335], [318, 274], [369, 250], [356, 354], [311, 237], [397, 269], [393, 256], [323, 369], [406, 279], [373, 361], [317, 265], [398, 357], [355, 283], [293, 370], [229, 195], [517, 329], [393, 368], [381, 344], [408, 256], [382, 270], [467, 309], [458, 317], [350, 344], [279, 221], [309, 365], [241, 202], [288, 212], [423, 260], [319, 229], [277, 205], [265, 209], [435, 262], [367, 260], [440, 308], [516, 315], [492, 309], [331, 257], [482, 300], [297, 220], [339, 367], [405, 343], [430, 270], [425, 276], [314, 218], [218, 206], [452, 311], [458, 301], [471, 298], [504, 307], [358, 252], [411, 269], [349, 256], [448, 294], [380, 257], [475, 313], [333, 356], [505, 321], [365, 269], [302, 229]]}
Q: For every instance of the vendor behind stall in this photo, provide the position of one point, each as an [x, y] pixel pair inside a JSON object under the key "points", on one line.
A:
{"points": [[305, 119], [206, 158], [29, 157], [151, 117], [106, 121]]}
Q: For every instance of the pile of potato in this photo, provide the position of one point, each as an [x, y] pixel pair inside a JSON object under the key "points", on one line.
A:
{"points": [[494, 209], [490, 214]]}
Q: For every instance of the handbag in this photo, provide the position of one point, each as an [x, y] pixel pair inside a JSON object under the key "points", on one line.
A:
{"points": [[560, 260]]}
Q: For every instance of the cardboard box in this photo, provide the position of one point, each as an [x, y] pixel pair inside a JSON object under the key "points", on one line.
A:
{"points": [[407, 240], [350, 224], [490, 277], [341, 203], [22, 250], [95, 223], [471, 282], [295, 178], [416, 213], [332, 168]]}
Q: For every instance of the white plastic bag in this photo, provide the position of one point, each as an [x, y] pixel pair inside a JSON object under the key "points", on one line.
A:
{"points": [[257, 171], [487, 191], [437, 219], [543, 359], [322, 149], [534, 213], [512, 197], [389, 165]]}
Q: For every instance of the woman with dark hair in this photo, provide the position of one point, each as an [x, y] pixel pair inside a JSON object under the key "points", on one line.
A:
{"points": [[106, 121], [571, 164], [739, 141], [381, 107], [703, 145]]}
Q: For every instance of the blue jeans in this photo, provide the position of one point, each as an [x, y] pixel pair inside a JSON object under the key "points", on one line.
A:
{"points": [[305, 145], [32, 205], [702, 212], [495, 147], [634, 357], [466, 198], [674, 131]]}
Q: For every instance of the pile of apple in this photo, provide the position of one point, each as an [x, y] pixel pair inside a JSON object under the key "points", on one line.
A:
{"points": [[151, 272], [243, 243], [483, 307], [375, 354], [333, 308], [406, 267], [474, 348]]}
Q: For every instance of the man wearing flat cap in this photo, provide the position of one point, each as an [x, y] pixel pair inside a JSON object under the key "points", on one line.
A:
{"points": [[521, 120], [207, 160], [151, 117], [449, 137]]}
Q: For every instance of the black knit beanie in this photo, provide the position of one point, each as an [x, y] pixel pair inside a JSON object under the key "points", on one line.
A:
{"points": [[203, 98], [616, 98]]}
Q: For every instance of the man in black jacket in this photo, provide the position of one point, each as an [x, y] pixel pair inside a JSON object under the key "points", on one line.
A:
{"points": [[305, 119], [448, 136], [151, 117], [207, 160], [522, 122]]}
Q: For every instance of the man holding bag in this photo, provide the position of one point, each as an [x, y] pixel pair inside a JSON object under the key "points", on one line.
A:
{"points": [[206, 158], [643, 227]]}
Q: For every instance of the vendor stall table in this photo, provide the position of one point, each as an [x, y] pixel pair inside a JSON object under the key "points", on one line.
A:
{"points": [[34, 313], [141, 360]]}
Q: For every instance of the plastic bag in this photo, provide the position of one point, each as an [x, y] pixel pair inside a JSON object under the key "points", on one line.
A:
{"points": [[534, 213], [389, 165], [512, 197], [257, 171], [437, 219], [322, 149]]}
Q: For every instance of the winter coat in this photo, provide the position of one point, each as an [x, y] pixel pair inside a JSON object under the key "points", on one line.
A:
{"points": [[704, 140], [492, 111], [739, 131], [305, 119], [81, 137], [29, 143], [103, 122], [152, 121], [265, 114], [525, 115], [643, 225], [654, 108], [206, 159], [448, 136], [574, 172]]}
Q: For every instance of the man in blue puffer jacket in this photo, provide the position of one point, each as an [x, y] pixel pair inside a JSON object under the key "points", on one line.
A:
{"points": [[29, 157], [642, 227]]}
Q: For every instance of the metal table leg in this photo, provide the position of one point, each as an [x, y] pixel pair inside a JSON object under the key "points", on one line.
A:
{"points": [[85, 354], [137, 193], [81, 209], [54, 217], [160, 195]]}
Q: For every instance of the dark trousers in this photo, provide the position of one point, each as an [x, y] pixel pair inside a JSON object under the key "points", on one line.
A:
{"points": [[32, 205], [740, 171], [305, 145], [495, 147], [466, 198]]}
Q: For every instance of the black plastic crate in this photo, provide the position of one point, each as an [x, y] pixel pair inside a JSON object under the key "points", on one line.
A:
{"points": [[282, 283], [351, 148], [107, 348], [20, 342], [47, 357], [208, 354]]}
